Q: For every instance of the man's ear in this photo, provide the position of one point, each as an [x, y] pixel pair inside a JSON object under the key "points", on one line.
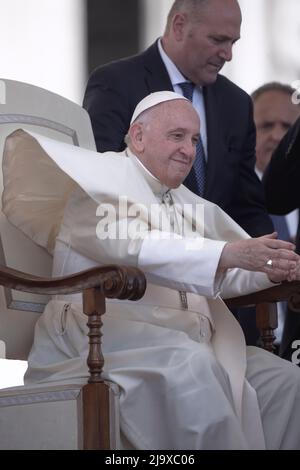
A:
{"points": [[136, 136], [178, 25]]}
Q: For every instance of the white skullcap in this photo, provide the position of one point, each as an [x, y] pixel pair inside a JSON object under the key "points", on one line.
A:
{"points": [[153, 99]]}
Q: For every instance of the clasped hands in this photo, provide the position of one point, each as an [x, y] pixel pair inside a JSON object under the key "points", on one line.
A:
{"points": [[266, 254]]}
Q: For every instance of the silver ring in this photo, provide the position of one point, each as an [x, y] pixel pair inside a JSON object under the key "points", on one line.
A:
{"points": [[269, 263]]}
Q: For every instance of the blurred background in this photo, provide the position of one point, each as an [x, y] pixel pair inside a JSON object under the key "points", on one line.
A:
{"points": [[55, 44]]}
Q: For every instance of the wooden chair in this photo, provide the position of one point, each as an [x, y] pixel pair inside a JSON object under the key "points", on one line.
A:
{"points": [[96, 422], [75, 415], [38, 110], [97, 401]]}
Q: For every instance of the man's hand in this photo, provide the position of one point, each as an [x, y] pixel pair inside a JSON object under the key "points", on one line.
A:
{"points": [[265, 254], [294, 274]]}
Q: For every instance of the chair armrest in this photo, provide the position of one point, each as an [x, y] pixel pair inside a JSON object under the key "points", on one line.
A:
{"points": [[279, 293], [115, 282]]}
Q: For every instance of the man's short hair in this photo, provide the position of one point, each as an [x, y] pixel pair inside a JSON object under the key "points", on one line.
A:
{"points": [[272, 86], [183, 5]]}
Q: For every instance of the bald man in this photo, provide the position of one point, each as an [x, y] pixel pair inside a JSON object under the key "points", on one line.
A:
{"points": [[186, 378], [274, 115]]}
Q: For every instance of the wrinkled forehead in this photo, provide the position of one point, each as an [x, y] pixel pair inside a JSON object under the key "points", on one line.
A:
{"points": [[181, 109], [273, 99], [172, 114]]}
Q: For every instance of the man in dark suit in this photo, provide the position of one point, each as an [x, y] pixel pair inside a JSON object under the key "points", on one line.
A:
{"points": [[281, 180], [198, 40]]}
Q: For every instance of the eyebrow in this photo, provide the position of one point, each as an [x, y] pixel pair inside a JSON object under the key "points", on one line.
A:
{"points": [[181, 129], [274, 122], [222, 37]]}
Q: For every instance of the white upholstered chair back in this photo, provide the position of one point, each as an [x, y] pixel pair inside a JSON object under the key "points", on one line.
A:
{"points": [[29, 107], [42, 417]]}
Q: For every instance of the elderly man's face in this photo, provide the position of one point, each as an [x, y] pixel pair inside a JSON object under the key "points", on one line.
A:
{"points": [[204, 46], [274, 114], [169, 138]]}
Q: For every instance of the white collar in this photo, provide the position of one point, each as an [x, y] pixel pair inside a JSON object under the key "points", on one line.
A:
{"points": [[175, 75], [259, 173], [156, 186]]}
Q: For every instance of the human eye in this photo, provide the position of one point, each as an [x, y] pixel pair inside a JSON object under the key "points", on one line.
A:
{"points": [[266, 126], [195, 141], [286, 126], [216, 40], [177, 135]]}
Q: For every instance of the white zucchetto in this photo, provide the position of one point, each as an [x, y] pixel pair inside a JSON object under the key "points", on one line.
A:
{"points": [[152, 100]]}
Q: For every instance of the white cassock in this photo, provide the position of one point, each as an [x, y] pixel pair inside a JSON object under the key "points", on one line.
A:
{"points": [[187, 379]]}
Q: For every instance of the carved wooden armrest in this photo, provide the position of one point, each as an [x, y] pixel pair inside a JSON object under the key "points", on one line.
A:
{"points": [[285, 291], [116, 282], [266, 309]]}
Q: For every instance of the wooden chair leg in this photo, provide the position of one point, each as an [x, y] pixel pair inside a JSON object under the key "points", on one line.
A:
{"points": [[95, 395], [96, 417], [267, 322]]}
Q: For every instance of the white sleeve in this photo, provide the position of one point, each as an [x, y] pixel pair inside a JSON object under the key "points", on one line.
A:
{"points": [[238, 282], [183, 264]]}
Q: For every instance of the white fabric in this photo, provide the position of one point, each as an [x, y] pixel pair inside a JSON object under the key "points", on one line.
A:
{"points": [[181, 372], [154, 99], [11, 372]]}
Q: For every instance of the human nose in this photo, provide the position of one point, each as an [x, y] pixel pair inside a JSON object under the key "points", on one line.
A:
{"points": [[189, 148], [226, 52], [277, 133]]}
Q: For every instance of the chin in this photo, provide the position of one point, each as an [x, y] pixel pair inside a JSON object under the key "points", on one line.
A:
{"points": [[174, 183], [211, 79]]}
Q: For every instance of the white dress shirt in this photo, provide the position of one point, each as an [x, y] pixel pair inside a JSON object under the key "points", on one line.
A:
{"points": [[176, 77]]}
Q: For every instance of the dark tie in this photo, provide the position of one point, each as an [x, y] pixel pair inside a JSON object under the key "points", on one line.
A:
{"points": [[281, 227], [195, 181]]}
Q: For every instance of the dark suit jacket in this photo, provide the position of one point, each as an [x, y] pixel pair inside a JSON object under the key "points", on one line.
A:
{"points": [[282, 186], [114, 90], [282, 176]]}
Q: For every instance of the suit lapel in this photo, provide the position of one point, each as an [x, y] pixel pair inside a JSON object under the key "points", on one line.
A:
{"points": [[156, 75]]}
